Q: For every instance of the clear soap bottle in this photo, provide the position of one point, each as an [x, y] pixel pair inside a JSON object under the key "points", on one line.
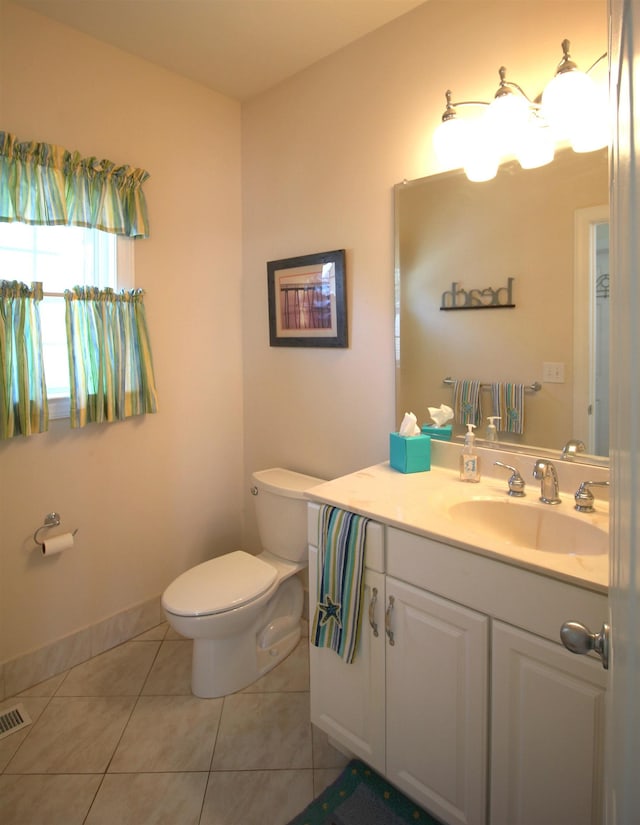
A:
{"points": [[469, 461], [492, 432]]}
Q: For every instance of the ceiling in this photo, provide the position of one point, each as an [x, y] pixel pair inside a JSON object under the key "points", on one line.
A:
{"points": [[237, 47]]}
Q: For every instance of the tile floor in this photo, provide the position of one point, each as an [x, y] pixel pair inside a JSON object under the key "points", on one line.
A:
{"points": [[120, 740]]}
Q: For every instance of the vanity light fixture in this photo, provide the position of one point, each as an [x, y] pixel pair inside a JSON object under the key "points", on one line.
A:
{"points": [[572, 108]]}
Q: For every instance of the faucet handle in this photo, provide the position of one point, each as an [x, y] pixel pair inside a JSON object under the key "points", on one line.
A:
{"points": [[584, 497], [516, 482]]}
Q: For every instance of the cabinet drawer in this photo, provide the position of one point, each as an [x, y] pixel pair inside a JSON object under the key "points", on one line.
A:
{"points": [[501, 590], [374, 542]]}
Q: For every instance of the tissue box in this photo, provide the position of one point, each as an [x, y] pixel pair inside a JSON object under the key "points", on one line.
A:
{"points": [[439, 433], [410, 454]]}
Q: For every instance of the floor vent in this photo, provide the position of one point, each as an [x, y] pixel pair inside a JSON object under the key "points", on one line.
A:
{"points": [[13, 719]]}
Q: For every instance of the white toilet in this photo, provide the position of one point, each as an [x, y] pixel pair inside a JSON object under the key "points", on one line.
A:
{"points": [[243, 612]]}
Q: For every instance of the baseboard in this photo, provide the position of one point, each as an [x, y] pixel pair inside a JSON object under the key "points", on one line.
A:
{"points": [[34, 667]]}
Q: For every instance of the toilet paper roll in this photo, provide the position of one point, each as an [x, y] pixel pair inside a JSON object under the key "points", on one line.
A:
{"points": [[57, 544]]}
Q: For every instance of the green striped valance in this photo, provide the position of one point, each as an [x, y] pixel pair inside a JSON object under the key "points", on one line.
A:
{"points": [[41, 183]]}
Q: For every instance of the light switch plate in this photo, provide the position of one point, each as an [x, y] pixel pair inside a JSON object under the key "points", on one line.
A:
{"points": [[553, 372]]}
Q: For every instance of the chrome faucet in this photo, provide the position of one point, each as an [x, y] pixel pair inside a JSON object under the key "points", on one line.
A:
{"points": [[572, 448], [584, 496], [546, 474]]}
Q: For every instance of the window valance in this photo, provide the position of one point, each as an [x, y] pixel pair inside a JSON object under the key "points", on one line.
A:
{"points": [[41, 183]]}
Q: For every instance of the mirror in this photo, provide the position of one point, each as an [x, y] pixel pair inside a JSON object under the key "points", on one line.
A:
{"points": [[496, 282]]}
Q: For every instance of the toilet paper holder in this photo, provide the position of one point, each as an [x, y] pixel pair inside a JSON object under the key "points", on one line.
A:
{"points": [[50, 520]]}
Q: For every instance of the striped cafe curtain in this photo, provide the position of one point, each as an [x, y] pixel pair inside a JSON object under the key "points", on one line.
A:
{"points": [[23, 394], [110, 362]]}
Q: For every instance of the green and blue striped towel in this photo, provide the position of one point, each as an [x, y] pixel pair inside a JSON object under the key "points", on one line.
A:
{"points": [[466, 401], [508, 403], [341, 547]]}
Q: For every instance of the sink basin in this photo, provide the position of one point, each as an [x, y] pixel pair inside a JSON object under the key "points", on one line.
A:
{"points": [[541, 527]]}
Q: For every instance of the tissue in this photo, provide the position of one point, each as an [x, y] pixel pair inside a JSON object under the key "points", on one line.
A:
{"points": [[409, 425], [439, 430], [57, 544], [440, 415]]}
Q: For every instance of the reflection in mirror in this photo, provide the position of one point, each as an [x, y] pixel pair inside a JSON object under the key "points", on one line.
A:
{"points": [[522, 253], [591, 313]]}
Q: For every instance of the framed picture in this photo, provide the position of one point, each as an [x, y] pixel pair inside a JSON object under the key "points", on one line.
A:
{"points": [[307, 301]]}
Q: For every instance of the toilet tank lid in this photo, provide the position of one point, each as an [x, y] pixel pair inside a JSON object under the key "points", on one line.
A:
{"points": [[285, 482]]}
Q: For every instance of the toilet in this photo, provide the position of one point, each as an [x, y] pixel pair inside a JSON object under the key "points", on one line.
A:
{"points": [[242, 611]]}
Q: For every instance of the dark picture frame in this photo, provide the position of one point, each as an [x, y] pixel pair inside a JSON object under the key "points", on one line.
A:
{"points": [[307, 300]]}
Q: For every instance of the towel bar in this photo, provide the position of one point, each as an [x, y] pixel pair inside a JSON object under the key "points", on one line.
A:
{"points": [[535, 387]]}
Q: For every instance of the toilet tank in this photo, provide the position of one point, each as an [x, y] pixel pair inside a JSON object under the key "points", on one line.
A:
{"points": [[281, 511]]}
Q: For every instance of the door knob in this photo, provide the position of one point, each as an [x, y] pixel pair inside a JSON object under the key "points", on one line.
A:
{"points": [[579, 639]]}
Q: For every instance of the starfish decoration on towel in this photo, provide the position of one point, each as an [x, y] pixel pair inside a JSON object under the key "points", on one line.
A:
{"points": [[330, 610]]}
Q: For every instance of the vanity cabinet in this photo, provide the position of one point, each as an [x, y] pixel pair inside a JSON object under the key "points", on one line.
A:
{"points": [[466, 700], [547, 711], [436, 694]]}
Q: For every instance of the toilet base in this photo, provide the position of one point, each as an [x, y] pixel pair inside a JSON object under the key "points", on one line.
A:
{"points": [[223, 666], [242, 668]]}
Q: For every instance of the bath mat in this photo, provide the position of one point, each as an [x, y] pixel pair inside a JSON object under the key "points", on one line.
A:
{"points": [[360, 797]]}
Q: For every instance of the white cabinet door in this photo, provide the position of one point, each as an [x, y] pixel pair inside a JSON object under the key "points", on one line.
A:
{"points": [[548, 709], [347, 700], [437, 705]]}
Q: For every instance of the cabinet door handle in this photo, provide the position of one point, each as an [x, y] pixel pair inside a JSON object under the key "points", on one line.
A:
{"points": [[387, 620], [372, 611]]}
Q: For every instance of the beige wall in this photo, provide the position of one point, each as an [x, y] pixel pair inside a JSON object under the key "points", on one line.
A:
{"points": [[155, 495], [320, 155]]}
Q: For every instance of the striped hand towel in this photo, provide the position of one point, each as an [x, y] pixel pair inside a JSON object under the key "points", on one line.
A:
{"points": [[508, 403], [336, 624], [466, 402]]}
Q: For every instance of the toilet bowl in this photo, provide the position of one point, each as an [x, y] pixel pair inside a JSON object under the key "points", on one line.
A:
{"points": [[242, 611]]}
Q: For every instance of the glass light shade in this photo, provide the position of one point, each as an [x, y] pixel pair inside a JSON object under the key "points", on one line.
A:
{"points": [[590, 130], [536, 145], [506, 118], [565, 100], [450, 143], [483, 157]]}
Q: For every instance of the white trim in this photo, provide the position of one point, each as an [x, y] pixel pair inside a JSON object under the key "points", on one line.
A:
{"points": [[584, 277], [59, 407]]}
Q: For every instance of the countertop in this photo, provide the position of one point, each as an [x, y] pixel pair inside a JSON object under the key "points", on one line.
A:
{"points": [[424, 504]]}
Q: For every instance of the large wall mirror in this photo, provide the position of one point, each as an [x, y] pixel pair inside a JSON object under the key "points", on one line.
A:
{"points": [[536, 239]]}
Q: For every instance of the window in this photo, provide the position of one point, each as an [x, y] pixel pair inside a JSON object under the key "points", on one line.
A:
{"points": [[62, 257]]}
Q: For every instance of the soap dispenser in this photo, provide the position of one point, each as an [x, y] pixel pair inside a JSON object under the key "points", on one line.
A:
{"points": [[469, 461], [492, 432]]}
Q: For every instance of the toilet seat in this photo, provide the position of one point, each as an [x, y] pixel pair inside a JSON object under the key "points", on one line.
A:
{"points": [[219, 585]]}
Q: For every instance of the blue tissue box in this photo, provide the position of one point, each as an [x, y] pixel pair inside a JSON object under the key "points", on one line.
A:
{"points": [[439, 433], [410, 454]]}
